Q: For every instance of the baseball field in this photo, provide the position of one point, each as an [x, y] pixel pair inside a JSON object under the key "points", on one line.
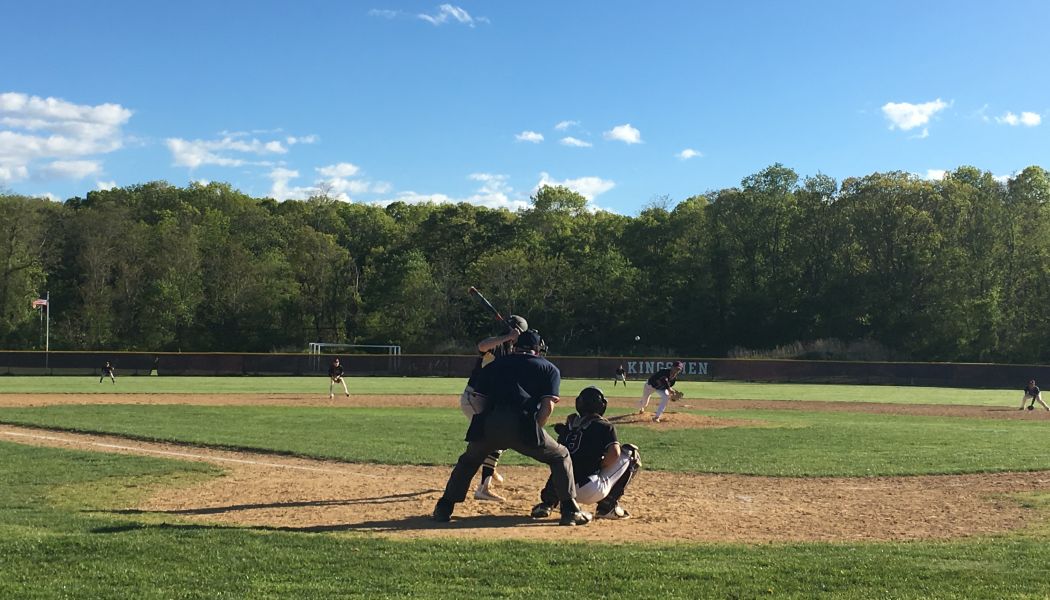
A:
{"points": [[161, 487]]}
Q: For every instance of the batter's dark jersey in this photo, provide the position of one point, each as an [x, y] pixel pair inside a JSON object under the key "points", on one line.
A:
{"points": [[661, 380], [588, 445], [483, 360], [335, 371], [1031, 391]]}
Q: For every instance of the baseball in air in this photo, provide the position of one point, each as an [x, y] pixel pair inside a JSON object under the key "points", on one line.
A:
{"points": [[637, 338]]}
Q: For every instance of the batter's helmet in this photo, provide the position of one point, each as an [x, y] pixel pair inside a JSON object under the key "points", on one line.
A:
{"points": [[519, 322], [591, 401]]}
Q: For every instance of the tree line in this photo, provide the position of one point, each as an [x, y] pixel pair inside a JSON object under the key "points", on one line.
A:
{"points": [[954, 270]]}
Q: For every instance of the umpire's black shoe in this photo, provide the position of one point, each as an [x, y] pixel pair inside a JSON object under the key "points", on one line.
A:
{"points": [[443, 511], [575, 518], [542, 511]]}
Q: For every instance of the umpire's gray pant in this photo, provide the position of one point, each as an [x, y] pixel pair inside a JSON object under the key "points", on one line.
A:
{"points": [[503, 431]]}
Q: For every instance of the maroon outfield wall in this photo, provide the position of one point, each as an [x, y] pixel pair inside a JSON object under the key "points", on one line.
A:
{"points": [[412, 365]]}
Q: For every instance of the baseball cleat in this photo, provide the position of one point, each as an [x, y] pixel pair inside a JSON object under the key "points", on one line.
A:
{"points": [[617, 513], [542, 511], [575, 518], [484, 493], [656, 419], [497, 477], [443, 511]]}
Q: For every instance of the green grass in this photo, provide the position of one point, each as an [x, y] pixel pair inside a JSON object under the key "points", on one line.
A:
{"points": [[54, 544], [779, 443], [729, 390]]}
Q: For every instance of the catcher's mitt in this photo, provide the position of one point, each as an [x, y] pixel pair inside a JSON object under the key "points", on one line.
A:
{"points": [[676, 395]]}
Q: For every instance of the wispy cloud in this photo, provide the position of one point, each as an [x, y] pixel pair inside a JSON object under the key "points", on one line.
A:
{"points": [[494, 192], [529, 136], [221, 152], [448, 13], [574, 142], [563, 125], [34, 129], [337, 181], [102, 186], [689, 153], [907, 116], [936, 174], [624, 133], [384, 13], [1028, 119]]}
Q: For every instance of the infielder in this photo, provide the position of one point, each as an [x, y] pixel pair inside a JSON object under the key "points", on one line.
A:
{"points": [[601, 468], [1031, 393], [108, 371], [471, 404], [621, 375], [335, 375], [520, 390], [661, 382]]}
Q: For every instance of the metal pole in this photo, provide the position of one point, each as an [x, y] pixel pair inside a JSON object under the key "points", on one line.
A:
{"points": [[47, 331]]}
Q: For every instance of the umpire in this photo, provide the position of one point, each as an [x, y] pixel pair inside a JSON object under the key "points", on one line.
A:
{"points": [[521, 389]]}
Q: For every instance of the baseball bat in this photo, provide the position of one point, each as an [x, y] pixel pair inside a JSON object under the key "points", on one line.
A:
{"points": [[488, 305]]}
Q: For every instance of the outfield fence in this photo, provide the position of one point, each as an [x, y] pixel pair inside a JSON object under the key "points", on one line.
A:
{"points": [[974, 375]]}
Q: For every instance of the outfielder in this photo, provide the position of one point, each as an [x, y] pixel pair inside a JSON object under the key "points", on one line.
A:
{"points": [[520, 390], [335, 375], [601, 468], [108, 371], [1031, 393], [471, 404], [661, 382]]}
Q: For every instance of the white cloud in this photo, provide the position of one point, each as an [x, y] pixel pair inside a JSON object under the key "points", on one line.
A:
{"points": [[1028, 119], [529, 136], [34, 129], [936, 174], [338, 170], [563, 125], [588, 187], [689, 153], [447, 13], [304, 139], [384, 14], [494, 192], [577, 143], [280, 190], [194, 153], [69, 169], [624, 133], [906, 116], [103, 186]]}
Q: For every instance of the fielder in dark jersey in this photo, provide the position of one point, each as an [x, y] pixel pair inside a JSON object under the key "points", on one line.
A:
{"points": [[621, 375], [489, 349], [335, 375], [520, 392], [660, 382], [1031, 392], [108, 371], [601, 467]]}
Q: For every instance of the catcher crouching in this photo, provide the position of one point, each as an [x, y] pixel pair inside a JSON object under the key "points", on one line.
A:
{"points": [[601, 467]]}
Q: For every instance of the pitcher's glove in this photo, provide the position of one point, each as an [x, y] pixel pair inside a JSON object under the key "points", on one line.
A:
{"points": [[676, 395]]}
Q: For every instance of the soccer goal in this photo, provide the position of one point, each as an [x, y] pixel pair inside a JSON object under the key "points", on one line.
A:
{"points": [[319, 348]]}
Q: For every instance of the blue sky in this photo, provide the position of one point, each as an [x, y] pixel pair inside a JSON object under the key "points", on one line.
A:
{"points": [[483, 101]]}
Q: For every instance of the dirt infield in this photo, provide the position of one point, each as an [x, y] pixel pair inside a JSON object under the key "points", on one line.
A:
{"points": [[266, 491]]}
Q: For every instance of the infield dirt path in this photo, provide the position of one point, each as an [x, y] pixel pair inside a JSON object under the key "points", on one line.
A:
{"points": [[274, 492]]}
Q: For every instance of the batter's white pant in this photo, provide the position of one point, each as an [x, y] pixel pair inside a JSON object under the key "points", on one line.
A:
{"points": [[600, 484], [470, 403], [648, 390]]}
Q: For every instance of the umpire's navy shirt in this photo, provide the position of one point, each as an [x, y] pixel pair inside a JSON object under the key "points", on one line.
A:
{"points": [[518, 382]]}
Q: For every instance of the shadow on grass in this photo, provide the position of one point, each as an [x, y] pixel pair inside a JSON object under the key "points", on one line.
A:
{"points": [[215, 510], [420, 523]]}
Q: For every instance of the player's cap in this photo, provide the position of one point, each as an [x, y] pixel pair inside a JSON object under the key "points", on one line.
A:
{"points": [[529, 340], [519, 322]]}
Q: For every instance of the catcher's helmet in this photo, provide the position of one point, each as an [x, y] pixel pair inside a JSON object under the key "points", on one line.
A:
{"points": [[591, 401]]}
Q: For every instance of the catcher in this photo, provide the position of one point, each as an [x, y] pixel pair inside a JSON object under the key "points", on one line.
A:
{"points": [[661, 382], [1032, 394], [335, 375], [601, 467]]}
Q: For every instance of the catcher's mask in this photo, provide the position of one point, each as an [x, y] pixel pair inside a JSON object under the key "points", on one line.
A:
{"points": [[591, 401], [530, 340]]}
